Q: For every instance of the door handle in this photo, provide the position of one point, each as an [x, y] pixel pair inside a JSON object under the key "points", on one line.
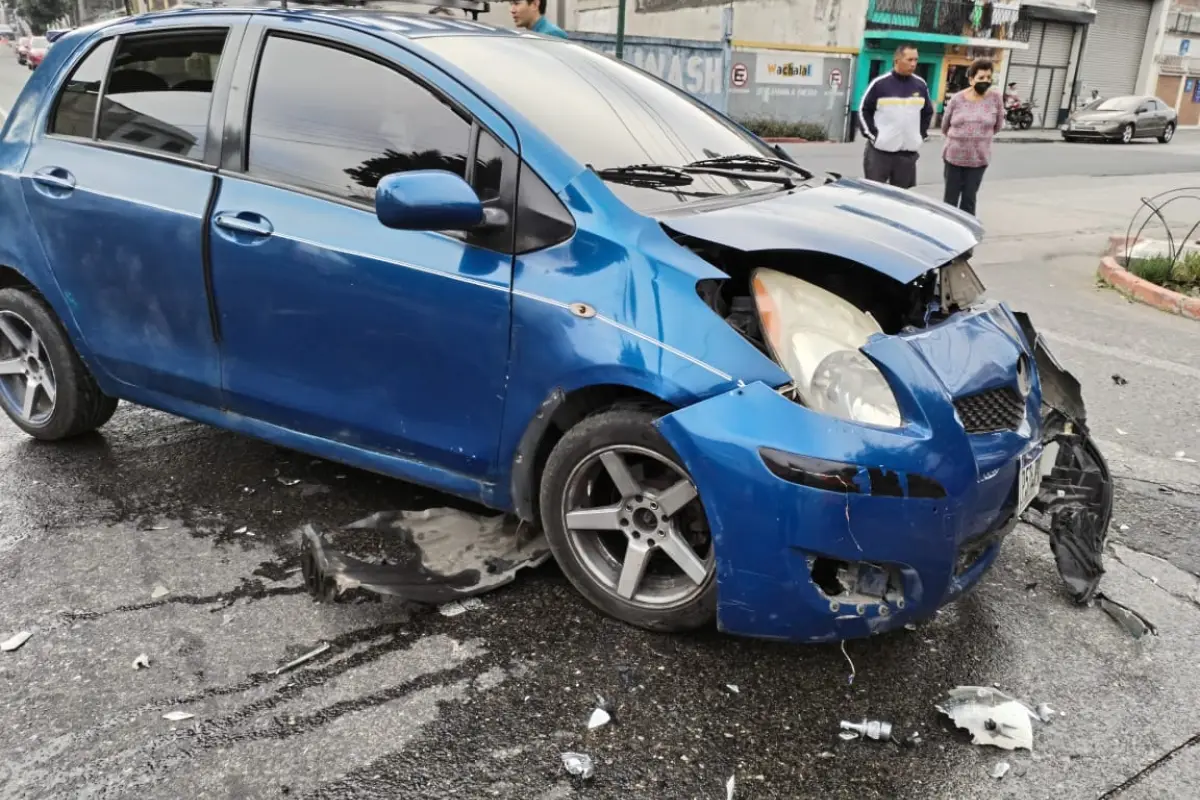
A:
{"points": [[244, 222], [55, 177]]}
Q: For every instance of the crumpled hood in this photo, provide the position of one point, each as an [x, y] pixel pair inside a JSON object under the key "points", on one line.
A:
{"points": [[893, 231]]}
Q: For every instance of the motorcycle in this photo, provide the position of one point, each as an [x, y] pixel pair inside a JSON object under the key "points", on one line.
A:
{"points": [[1020, 116]]}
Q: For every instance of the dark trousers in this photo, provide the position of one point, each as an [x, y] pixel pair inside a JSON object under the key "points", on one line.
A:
{"points": [[962, 185], [898, 169]]}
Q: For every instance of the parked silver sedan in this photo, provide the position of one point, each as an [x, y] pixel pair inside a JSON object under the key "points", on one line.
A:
{"points": [[1122, 119]]}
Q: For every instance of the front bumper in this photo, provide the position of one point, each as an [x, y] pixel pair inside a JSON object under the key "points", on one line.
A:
{"points": [[1098, 132], [827, 530]]}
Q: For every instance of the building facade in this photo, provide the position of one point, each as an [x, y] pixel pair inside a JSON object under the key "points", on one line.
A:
{"points": [[1178, 61]]}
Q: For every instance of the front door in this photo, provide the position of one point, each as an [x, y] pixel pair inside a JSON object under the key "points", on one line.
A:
{"points": [[118, 200], [331, 324]]}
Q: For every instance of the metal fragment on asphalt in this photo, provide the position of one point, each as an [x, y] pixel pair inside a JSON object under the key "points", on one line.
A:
{"points": [[871, 729], [159, 591], [733, 687], [15, 642], [1134, 623], [141, 662], [288, 481], [309, 656], [1000, 770], [579, 765], [847, 736], [599, 718], [177, 716], [991, 716]]}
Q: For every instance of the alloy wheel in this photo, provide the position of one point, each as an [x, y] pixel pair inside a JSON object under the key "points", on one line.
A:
{"points": [[1127, 134], [27, 383], [1168, 133], [635, 522]]}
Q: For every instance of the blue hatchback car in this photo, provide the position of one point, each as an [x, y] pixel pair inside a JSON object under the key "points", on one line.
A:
{"points": [[522, 272]]}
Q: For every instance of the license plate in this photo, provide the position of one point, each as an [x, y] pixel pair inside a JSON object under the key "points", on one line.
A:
{"points": [[1084, 127], [1029, 479]]}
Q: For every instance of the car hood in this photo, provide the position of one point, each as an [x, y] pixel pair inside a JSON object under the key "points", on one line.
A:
{"points": [[893, 231], [1099, 116]]}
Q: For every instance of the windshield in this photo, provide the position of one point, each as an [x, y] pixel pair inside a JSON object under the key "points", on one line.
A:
{"points": [[1115, 104], [604, 113]]}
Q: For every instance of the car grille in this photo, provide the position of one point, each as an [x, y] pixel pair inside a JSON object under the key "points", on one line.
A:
{"points": [[991, 411]]}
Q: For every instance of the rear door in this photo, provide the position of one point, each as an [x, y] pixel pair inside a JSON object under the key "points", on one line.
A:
{"points": [[117, 181], [332, 324]]}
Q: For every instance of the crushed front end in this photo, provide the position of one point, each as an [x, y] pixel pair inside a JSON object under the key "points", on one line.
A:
{"points": [[841, 524]]}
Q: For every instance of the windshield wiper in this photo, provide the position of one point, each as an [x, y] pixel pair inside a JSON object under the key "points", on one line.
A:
{"points": [[751, 163], [650, 176]]}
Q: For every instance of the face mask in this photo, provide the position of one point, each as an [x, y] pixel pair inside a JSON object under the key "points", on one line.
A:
{"points": [[982, 87]]}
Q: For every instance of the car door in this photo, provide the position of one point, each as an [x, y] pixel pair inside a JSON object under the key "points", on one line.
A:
{"points": [[116, 182], [1149, 121], [330, 323]]}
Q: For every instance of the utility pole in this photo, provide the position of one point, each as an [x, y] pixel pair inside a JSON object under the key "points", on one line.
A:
{"points": [[620, 29]]}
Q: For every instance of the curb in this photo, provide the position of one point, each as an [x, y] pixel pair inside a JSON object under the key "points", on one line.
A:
{"points": [[1130, 285]]}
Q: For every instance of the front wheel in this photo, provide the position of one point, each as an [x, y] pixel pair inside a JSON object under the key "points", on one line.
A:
{"points": [[1167, 134], [1127, 134], [44, 386], [626, 524]]}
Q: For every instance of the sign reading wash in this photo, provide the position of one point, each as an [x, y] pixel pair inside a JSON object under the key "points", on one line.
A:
{"points": [[771, 69], [694, 66]]}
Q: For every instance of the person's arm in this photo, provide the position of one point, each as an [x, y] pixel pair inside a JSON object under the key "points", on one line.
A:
{"points": [[926, 113], [948, 113], [999, 116], [866, 111]]}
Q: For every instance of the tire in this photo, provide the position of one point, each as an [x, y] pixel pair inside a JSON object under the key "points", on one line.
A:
{"points": [[1167, 134], [595, 561], [1127, 134], [78, 405]]}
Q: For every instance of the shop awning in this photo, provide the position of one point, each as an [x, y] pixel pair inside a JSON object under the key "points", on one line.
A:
{"points": [[945, 38]]}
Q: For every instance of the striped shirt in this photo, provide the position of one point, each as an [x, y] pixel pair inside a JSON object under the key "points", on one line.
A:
{"points": [[896, 112]]}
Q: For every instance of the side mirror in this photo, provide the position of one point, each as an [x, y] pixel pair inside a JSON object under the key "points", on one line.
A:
{"points": [[427, 200]]}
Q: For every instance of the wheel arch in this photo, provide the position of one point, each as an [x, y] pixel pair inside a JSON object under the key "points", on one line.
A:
{"points": [[558, 413], [12, 278]]}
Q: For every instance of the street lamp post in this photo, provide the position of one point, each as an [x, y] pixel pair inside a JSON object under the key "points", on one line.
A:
{"points": [[620, 28]]}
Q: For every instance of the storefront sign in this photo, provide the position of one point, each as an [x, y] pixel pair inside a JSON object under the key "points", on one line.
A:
{"points": [[798, 71], [740, 75], [1184, 46]]}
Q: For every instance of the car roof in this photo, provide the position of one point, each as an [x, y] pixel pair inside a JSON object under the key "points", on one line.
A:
{"points": [[399, 23]]}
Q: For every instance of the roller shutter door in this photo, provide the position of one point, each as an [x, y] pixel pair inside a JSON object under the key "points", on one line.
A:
{"points": [[1114, 47], [1041, 71]]}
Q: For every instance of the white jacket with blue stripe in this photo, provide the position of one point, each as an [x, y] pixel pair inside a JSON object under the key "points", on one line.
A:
{"points": [[895, 113]]}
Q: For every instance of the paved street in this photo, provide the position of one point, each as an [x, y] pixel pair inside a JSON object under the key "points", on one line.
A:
{"points": [[410, 703]]}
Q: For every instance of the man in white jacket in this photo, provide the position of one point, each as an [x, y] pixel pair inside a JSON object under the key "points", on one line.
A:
{"points": [[894, 116]]}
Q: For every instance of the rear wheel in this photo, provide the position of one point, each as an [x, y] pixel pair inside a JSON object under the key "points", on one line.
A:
{"points": [[1168, 133], [44, 386], [626, 524]]}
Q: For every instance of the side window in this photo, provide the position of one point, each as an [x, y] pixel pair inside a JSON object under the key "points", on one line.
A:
{"points": [[333, 122], [160, 90], [489, 167], [75, 109]]}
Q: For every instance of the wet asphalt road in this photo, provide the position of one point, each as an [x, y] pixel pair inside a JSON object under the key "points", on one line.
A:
{"points": [[410, 703]]}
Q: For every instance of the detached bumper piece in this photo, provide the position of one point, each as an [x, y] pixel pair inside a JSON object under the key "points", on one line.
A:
{"points": [[432, 557], [1077, 494]]}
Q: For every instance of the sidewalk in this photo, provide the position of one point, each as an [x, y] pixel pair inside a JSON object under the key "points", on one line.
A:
{"points": [[1008, 135]]}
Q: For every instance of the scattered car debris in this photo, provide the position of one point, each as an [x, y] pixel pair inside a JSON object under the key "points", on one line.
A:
{"points": [[1122, 528], [991, 716], [1123, 433], [1045, 712], [15, 642], [579, 765], [869, 728], [1182, 456], [733, 687], [912, 740], [1000, 770], [853, 672], [847, 736], [599, 719], [309, 656], [433, 556], [242, 529], [288, 481], [729, 787], [1134, 623], [159, 591], [456, 607], [142, 662], [177, 716], [1118, 380]]}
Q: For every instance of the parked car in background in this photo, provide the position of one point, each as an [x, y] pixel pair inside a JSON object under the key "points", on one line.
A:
{"points": [[726, 387], [38, 46], [1122, 119], [7, 34], [22, 49]]}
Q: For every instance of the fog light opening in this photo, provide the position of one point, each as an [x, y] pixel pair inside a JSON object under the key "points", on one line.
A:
{"points": [[857, 583]]}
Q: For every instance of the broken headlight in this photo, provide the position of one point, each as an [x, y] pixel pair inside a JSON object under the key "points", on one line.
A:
{"points": [[816, 335]]}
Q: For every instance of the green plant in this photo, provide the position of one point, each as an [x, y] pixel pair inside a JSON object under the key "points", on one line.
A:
{"points": [[1183, 274], [769, 128]]}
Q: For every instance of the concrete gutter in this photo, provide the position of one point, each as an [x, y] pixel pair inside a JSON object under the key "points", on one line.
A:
{"points": [[1130, 285]]}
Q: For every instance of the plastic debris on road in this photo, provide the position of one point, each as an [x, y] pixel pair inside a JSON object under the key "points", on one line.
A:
{"points": [[1134, 623], [991, 716], [1045, 712], [579, 765], [868, 728], [1182, 456], [142, 662], [733, 687], [729, 787], [1000, 770], [458, 607], [309, 656], [599, 719], [159, 591], [15, 642], [177, 716]]}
